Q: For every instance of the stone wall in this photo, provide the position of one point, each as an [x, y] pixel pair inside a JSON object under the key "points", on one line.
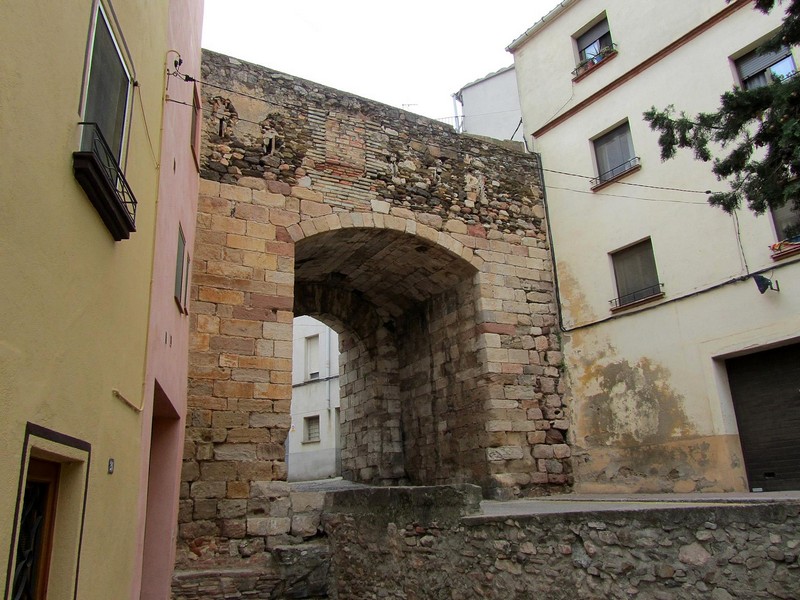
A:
{"points": [[424, 249], [720, 552], [432, 543]]}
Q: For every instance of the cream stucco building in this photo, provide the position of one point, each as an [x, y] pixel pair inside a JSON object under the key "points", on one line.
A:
{"points": [[683, 376], [94, 331], [490, 106], [313, 447]]}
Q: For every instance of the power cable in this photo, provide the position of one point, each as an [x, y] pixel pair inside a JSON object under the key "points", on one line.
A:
{"points": [[553, 187], [654, 187]]}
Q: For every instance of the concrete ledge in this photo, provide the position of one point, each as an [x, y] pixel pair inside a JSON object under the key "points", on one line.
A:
{"points": [[445, 504]]}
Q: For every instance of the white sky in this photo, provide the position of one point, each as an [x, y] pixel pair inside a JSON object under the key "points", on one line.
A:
{"points": [[415, 53]]}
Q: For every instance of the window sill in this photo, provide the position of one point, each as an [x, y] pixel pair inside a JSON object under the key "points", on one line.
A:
{"points": [[181, 308], [607, 182], [635, 303], [98, 173], [783, 250], [310, 442], [583, 71]]}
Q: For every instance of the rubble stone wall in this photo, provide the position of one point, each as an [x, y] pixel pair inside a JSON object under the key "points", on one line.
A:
{"points": [[720, 552]]}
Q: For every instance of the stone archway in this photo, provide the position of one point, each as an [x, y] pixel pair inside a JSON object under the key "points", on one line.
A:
{"points": [[428, 246], [396, 292]]}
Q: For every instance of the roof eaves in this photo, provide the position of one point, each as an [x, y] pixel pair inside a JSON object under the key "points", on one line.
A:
{"points": [[540, 24], [484, 78]]}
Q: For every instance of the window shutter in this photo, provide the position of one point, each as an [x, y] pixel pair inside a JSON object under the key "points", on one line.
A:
{"points": [[756, 61], [594, 33], [635, 269], [613, 149]]}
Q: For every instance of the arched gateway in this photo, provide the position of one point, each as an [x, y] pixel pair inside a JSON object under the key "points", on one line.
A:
{"points": [[425, 249]]}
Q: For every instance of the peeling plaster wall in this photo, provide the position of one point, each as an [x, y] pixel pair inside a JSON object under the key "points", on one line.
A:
{"points": [[647, 384]]}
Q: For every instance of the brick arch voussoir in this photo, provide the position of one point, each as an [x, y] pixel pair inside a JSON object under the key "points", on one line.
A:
{"points": [[346, 220]]}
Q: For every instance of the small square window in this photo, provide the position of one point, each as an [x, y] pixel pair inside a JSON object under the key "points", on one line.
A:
{"points": [[614, 154], [635, 274], [759, 68], [311, 429], [182, 274], [594, 44]]}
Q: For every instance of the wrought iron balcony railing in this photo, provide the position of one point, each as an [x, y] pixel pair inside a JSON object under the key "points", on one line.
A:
{"points": [[642, 294], [615, 172], [97, 170], [589, 63]]}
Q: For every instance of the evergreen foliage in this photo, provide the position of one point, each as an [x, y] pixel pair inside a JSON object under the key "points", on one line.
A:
{"points": [[759, 128]]}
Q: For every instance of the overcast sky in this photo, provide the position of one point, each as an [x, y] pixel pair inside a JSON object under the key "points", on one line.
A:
{"points": [[413, 54]]}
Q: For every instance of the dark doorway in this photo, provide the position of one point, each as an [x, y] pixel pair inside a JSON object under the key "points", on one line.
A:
{"points": [[765, 388], [36, 531]]}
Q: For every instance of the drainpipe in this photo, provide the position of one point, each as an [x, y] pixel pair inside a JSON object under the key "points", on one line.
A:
{"points": [[551, 245]]}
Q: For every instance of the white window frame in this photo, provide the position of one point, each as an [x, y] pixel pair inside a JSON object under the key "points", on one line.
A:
{"points": [[608, 173], [312, 357], [599, 29], [752, 65], [310, 424], [784, 217], [100, 12], [628, 297]]}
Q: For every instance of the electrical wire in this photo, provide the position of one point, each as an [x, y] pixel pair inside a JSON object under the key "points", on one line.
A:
{"points": [[643, 185], [146, 128], [668, 200]]}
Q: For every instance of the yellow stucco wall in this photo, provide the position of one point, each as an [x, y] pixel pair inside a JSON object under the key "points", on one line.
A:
{"points": [[75, 303]]}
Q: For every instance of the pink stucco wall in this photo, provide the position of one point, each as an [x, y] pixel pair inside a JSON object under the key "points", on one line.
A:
{"points": [[163, 417]]}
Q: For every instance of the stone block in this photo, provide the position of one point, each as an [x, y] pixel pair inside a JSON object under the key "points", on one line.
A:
{"points": [[208, 489], [234, 192], [220, 296], [270, 420], [307, 501], [269, 489], [204, 510], [305, 525], [231, 509], [238, 489], [235, 452], [504, 453]]}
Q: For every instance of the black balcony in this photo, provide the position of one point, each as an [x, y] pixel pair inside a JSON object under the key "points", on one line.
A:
{"points": [[652, 291], [612, 174], [101, 177], [589, 63]]}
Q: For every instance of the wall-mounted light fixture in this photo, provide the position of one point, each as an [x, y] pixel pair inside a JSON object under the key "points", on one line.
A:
{"points": [[763, 284]]}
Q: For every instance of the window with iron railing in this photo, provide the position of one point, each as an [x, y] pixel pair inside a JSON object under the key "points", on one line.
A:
{"points": [[594, 46], [101, 177], [635, 275], [614, 155], [759, 68], [98, 162]]}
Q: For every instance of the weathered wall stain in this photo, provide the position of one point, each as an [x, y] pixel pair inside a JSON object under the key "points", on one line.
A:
{"points": [[575, 308], [633, 403], [631, 431]]}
